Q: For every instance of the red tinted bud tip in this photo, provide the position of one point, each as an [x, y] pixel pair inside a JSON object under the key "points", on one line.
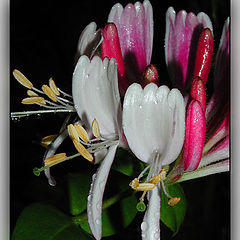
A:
{"points": [[204, 55], [150, 75]]}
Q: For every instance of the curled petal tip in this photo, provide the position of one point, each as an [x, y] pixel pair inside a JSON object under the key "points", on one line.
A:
{"points": [[194, 136]]}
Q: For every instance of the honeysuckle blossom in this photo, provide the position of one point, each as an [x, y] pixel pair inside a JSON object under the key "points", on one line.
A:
{"points": [[96, 96], [128, 38], [210, 152], [181, 38], [154, 124]]}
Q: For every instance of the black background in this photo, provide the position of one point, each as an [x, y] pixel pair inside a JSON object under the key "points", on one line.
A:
{"points": [[43, 41]]}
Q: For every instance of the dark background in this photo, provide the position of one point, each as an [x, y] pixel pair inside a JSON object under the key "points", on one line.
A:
{"points": [[43, 41]]}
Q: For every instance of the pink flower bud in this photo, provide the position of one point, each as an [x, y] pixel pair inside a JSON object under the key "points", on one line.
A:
{"points": [[150, 75], [204, 55], [194, 136]]}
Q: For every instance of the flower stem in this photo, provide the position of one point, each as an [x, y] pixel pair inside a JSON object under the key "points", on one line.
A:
{"points": [[106, 204]]}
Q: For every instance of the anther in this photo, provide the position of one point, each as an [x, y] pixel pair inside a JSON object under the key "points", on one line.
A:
{"points": [[53, 86], [31, 93], [33, 100], [48, 140], [82, 132], [173, 201], [163, 174], [55, 158], [134, 183], [83, 151], [22, 79], [95, 128], [49, 92], [73, 134]]}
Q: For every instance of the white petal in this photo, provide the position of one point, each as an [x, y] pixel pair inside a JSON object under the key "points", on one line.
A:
{"points": [[89, 40], [153, 122], [95, 94], [151, 221], [94, 205], [205, 20], [51, 151]]}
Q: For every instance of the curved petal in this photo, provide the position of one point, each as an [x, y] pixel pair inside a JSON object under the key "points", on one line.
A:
{"points": [[96, 95], [51, 151], [153, 120], [95, 198], [220, 152], [151, 222], [89, 40], [135, 30], [181, 38]]}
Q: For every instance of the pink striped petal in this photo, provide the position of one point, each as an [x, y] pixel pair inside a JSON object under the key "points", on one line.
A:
{"points": [[220, 152], [221, 132], [181, 38], [204, 53], [135, 30], [194, 136]]}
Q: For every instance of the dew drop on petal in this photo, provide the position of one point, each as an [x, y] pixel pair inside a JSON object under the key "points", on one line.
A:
{"points": [[144, 226], [97, 221]]}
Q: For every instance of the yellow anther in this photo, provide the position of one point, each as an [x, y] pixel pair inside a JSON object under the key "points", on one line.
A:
{"points": [[33, 100], [53, 86], [134, 183], [95, 128], [55, 158], [173, 201], [31, 93], [155, 179], [48, 140], [22, 79], [163, 174], [49, 92], [82, 132], [73, 134], [83, 151]]}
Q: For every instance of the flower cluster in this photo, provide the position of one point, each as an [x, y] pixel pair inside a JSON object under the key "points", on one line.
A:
{"points": [[178, 133]]}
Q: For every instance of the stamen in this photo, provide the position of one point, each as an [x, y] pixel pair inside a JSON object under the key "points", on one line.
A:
{"points": [[163, 174], [95, 128], [33, 100], [48, 140], [164, 190], [48, 91], [73, 134], [155, 179], [142, 173], [82, 132], [173, 201], [22, 79], [31, 93], [134, 183], [53, 87], [82, 150], [55, 158]]}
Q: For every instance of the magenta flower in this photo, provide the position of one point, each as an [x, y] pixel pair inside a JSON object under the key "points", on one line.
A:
{"points": [[181, 39], [128, 38]]}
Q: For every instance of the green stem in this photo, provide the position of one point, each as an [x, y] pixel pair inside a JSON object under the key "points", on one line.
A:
{"points": [[106, 204]]}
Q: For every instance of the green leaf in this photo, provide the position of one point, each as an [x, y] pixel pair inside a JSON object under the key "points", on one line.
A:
{"points": [[78, 185], [173, 217], [126, 163], [42, 221], [119, 206]]}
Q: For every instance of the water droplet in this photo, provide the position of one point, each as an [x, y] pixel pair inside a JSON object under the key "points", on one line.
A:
{"points": [[97, 221], [93, 177], [38, 116], [144, 226], [157, 235], [98, 206], [89, 197]]}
